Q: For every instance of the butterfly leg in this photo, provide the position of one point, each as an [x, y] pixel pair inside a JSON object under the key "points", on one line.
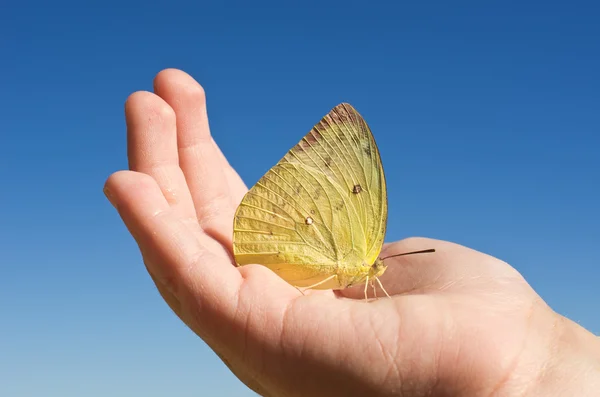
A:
{"points": [[316, 284], [374, 289], [302, 292], [381, 285], [366, 286]]}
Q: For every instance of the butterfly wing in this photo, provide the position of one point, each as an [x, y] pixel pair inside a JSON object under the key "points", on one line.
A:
{"points": [[322, 210]]}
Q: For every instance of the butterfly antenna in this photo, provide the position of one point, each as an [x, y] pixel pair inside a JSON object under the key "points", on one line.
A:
{"points": [[410, 253]]}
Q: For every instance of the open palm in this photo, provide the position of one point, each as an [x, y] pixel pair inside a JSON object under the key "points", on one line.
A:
{"points": [[459, 323]]}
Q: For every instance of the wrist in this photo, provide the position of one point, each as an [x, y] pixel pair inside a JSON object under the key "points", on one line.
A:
{"points": [[572, 365]]}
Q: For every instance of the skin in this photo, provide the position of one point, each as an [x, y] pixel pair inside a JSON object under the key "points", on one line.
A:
{"points": [[460, 323]]}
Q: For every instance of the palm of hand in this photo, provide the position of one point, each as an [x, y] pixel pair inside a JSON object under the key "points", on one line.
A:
{"points": [[459, 320]]}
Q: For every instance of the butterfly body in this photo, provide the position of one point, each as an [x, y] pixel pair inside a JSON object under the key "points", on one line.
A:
{"points": [[318, 217]]}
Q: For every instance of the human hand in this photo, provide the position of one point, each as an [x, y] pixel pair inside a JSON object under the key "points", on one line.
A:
{"points": [[460, 323]]}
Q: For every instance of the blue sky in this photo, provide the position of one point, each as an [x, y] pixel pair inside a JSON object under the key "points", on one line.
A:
{"points": [[486, 116]]}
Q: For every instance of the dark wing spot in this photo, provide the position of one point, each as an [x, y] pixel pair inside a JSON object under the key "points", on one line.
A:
{"points": [[367, 150], [328, 161], [357, 189]]}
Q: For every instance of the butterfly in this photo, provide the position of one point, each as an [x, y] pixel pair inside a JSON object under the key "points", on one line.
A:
{"points": [[318, 218]]}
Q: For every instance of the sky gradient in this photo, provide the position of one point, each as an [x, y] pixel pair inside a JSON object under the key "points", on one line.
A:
{"points": [[486, 116]]}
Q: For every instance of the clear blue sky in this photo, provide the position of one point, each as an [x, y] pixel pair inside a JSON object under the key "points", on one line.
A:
{"points": [[487, 116]]}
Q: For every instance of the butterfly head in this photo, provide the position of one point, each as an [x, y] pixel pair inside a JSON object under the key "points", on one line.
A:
{"points": [[377, 268]]}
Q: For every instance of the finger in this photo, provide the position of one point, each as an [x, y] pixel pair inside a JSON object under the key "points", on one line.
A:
{"points": [[237, 187], [202, 288], [200, 162], [450, 266], [152, 148], [174, 255]]}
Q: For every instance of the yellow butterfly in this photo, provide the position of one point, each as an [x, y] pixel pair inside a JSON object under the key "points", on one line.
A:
{"points": [[318, 217]]}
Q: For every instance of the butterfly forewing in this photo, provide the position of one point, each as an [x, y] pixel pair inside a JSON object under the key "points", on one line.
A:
{"points": [[342, 146], [323, 202]]}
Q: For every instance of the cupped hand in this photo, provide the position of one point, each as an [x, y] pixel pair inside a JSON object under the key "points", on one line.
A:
{"points": [[459, 322]]}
